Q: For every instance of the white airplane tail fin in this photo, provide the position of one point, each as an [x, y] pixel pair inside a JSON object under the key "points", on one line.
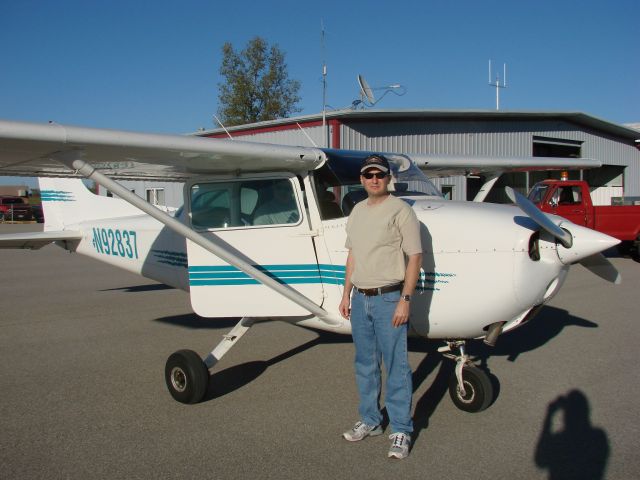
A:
{"points": [[67, 201]]}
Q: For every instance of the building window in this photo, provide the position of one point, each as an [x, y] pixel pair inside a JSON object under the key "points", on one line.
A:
{"points": [[155, 196], [447, 192], [556, 147]]}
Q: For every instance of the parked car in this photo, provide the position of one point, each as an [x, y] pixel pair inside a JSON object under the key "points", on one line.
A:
{"points": [[15, 208]]}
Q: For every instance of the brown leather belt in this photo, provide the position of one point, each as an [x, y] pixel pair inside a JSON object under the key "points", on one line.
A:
{"points": [[372, 292]]}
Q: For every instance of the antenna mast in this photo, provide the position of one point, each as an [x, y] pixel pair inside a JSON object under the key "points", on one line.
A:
{"points": [[497, 82], [324, 87]]}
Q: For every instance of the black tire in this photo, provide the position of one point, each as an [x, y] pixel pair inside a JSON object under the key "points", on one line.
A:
{"points": [[478, 390], [186, 376], [635, 250]]}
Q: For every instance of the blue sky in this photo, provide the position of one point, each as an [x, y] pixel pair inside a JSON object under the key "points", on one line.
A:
{"points": [[153, 65]]}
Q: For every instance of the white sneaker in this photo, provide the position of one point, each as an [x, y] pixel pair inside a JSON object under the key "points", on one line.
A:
{"points": [[361, 430], [400, 443]]}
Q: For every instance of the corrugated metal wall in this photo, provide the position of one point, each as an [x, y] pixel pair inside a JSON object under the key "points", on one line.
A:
{"points": [[486, 137]]}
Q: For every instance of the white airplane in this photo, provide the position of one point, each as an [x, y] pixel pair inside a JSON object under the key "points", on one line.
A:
{"points": [[261, 236]]}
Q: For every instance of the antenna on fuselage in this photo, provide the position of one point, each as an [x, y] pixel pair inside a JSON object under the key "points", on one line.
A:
{"points": [[497, 82], [223, 127]]}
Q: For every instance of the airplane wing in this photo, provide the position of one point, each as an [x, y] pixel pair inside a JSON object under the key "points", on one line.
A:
{"points": [[32, 149], [36, 240], [450, 165]]}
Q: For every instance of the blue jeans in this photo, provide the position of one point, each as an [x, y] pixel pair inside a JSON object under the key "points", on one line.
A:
{"points": [[378, 341]]}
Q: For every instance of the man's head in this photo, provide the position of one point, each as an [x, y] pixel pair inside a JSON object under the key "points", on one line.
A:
{"points": [[374, 175], [375, 161]]}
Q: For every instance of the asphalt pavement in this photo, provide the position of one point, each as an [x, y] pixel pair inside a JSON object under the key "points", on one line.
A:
{"points": [[83, 348]]}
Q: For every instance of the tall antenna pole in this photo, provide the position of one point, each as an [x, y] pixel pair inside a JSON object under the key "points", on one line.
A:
{"points": [[324, 88], [497, 82]]}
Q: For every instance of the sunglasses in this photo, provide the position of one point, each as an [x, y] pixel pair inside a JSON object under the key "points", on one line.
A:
{"points": [[378, 175]]}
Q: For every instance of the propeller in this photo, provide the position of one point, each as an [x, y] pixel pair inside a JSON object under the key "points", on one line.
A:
{"points": [[602, 267], [540, 218], [588, 242]]}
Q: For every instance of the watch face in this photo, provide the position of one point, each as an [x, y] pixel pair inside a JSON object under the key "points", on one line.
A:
{"points": [[406, 298]]}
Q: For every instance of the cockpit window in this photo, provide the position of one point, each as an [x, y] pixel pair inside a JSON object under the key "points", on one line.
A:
{"points": [[243, 203]]}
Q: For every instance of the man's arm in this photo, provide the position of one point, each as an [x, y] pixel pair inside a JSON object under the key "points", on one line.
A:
{"points": [[345, 311], [411, 275]]}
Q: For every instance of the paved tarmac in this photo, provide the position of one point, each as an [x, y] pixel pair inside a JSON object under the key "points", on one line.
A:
{"points": [[83, 348]]}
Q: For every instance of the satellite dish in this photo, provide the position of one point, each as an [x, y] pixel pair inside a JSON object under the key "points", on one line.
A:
{"points": [[366, 91]]}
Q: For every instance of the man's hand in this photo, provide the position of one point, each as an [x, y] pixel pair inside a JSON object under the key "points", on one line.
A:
{"points": [[401, 315], [345, 307]]}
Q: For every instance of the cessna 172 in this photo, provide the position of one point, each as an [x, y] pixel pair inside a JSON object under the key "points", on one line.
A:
{"points": [[261, 235]]}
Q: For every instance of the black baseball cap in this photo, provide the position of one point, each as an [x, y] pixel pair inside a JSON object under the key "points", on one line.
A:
{"points": [[375, 161]]}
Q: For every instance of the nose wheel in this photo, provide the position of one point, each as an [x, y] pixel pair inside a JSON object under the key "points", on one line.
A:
{"points": [[470, 387], [477, 393]]}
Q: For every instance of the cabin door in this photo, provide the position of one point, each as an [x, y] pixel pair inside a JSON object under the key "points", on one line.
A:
{"points": [[262, 220]]}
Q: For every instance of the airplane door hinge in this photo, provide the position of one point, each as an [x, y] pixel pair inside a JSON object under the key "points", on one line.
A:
{"points": [[310, 233]]}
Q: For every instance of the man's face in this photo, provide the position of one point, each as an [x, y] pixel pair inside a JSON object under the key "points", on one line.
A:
{"points": [[375, 186]]}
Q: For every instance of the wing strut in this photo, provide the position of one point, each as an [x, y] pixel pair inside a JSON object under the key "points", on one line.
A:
{"points": [[88, 171], [491, 179]]}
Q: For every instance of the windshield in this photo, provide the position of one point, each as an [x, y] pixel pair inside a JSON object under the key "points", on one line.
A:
{"points": [[343, 169], [538, 192]]}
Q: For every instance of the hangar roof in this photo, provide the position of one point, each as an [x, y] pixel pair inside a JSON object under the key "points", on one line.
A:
{"points": [[409, 114]]}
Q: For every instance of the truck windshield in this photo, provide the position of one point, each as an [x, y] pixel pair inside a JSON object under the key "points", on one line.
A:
{"points": [[538, 192]]}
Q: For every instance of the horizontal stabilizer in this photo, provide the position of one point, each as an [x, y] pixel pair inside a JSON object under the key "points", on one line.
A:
{"points": [[36, 240]]}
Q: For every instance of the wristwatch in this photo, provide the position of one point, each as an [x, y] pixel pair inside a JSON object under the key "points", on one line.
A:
{"points": [[406, 298]]}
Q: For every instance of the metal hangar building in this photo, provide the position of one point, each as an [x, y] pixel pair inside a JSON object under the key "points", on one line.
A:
{"points": [[460, 132]]}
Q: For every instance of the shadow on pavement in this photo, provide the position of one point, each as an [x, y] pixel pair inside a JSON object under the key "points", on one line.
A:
{"points": [[232, 378], [570, 447], [548, 324]]}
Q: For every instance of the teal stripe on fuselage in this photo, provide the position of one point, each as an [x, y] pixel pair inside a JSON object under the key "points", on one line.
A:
{"points": [[56, 196], [203, 275]]}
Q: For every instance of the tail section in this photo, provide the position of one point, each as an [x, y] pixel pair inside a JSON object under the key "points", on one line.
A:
{"points": [[67, 201]]}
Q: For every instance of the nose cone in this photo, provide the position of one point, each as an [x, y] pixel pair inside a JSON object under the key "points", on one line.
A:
{"points": [[586, 242]]}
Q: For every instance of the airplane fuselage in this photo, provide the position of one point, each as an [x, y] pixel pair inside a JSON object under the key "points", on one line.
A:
{"points": [[477, 268]]}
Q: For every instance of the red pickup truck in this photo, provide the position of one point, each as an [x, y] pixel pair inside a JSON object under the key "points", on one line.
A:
{"points": [[15, 208], [571, 199]]}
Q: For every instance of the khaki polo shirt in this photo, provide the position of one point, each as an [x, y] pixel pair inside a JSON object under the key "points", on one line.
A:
{"points": [[379, 237]]}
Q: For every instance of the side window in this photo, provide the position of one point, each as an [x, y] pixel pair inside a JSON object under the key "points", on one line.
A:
{"points": [[570, 196], [243, 203], [276, 203], [210, 205]]}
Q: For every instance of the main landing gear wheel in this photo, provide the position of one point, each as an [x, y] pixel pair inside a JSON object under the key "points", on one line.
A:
{"points": [[187, 376], [478, 391]]}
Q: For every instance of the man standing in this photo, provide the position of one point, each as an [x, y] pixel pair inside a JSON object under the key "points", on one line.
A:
{"points": [[383, 265]]}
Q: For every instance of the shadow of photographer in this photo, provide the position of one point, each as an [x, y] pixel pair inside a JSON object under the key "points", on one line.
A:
{"points": [[570, 447]]}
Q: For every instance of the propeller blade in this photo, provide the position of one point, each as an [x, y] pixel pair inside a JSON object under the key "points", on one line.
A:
{"points": [[540, 218], [602, 267]]}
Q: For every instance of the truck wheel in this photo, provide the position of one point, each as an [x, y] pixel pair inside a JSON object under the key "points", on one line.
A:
{"points": [[625, 248], [635, 250]]}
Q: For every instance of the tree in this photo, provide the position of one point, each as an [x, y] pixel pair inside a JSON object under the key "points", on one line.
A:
{"points": [[257, 85]]}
